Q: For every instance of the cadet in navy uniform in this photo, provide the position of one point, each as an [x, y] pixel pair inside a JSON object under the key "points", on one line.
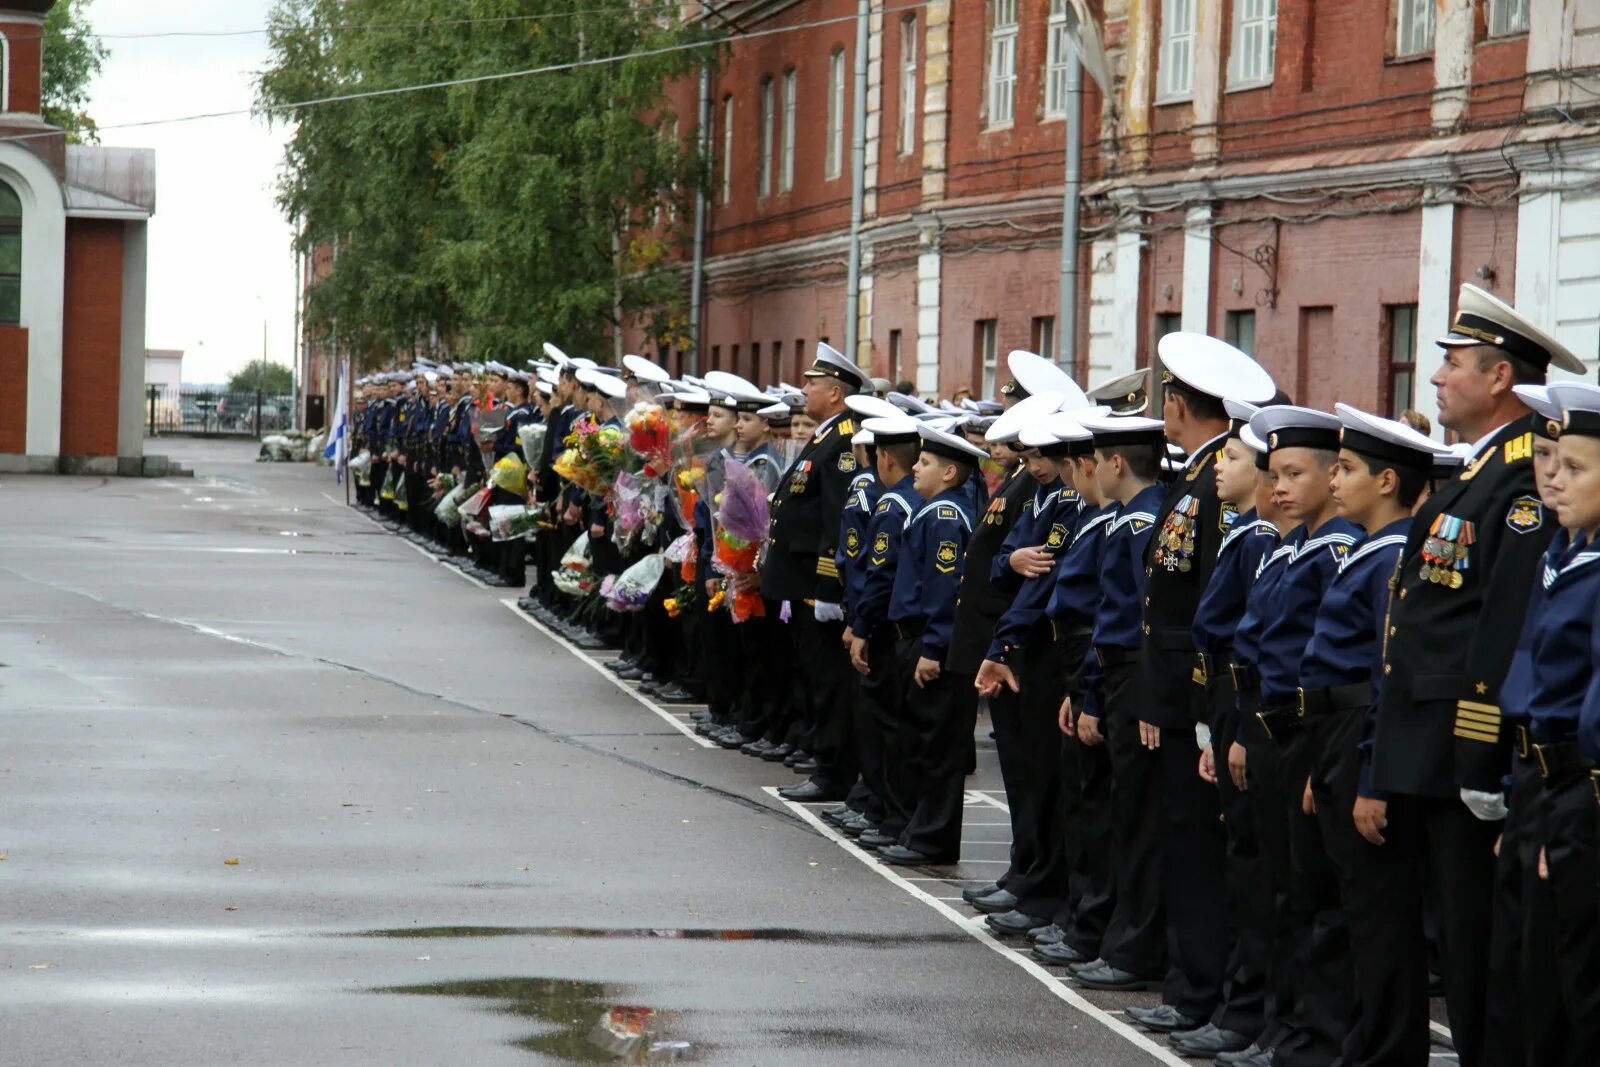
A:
{"points": [[1022, 671], [1240, 1018], [1191, 522], [800, 568], [1382, 471], [1469, 565], [1128, 453], [507, 442], [1079, 924], [923, 608], [1302, 450], [880, 700], [1550, 853]]}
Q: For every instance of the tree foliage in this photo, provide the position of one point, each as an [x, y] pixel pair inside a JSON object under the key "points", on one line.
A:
{"points": [[495, 214], [262, 376], [73, 57]]}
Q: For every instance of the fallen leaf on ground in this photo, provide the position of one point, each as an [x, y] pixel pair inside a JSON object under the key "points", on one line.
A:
{"points": [[230, 907], [38, 966], [423, 958], [232, 862]]}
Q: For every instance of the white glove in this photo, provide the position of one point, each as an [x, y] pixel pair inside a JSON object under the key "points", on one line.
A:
{"points": [[1202, 736], [827, 612], [1488, 807]]}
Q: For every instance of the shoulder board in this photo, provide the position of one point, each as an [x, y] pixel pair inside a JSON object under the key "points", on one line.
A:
{"points": [[893, 498], [1131, 518], [1093, 524], [1377, 544], [847, 427], [949, 511], [944, 511], [1519, 448], [1236, 531], [862, 480], [1339, 542]]}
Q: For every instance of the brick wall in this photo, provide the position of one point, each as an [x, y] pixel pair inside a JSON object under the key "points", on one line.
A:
{"points": [[22, 73], [91, 349], [13, 390]]}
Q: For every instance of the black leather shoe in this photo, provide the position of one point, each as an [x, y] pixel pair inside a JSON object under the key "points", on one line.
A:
{"points": [[672, 693], [969, 895], [1015, 923], [806, 767], [731, 738], [1047, 935], [588, 642], [707, 726], [858, 826], [1163, 1019], [797, 756], [811, 791], [1101, 975], [700, 715], [1254, 1056], [1059, 954], [632, 674], [901, 856], [1208, 1041], [995, 903], [778, 753], [526, 603], [621, 663], [840, 815], [759, 747], [876, 838]]}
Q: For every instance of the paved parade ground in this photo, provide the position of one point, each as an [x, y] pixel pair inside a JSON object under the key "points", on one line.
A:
{"points": [[280, 788]]}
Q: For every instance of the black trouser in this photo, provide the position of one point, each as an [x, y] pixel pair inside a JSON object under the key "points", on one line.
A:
{"points": [[1136, 938], [1551, 925], [879, 706], [933, 726], [1248, 918], [1005, 719], [724, 669], [506, 556], [1264, 774], [761, 648], [380, 475], [1389, 1015], [1084, 814], [1041, 887], [829, 688]]}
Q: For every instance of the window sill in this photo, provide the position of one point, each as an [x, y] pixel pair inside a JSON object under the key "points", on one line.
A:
{"points": [[1414, 57], [1182, 98], [1500, 39], [1245, 87], [999, 127]]}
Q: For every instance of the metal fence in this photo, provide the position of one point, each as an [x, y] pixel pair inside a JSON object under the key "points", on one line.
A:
{"points": [[216, 412]]}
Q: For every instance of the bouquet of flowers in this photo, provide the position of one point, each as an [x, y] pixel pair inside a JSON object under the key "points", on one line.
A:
{"points": [[449, 509], [742, 516], [594, 456], [402, 499], [637, 505], [531, 438], [507, 522], [650, 438], [387, 490], [361, 467], [682, 599], [573, 576], [510, 474], [632, 589], [681, 548], [441, 484]]}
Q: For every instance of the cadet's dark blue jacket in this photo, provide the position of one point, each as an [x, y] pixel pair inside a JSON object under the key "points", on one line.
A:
{"points": [[1546, 687], [929, 574], [1032, 528], [1248, 541], [882, 555], [1286, 629], [1119, 621], [851, 555], [1034, 596]]}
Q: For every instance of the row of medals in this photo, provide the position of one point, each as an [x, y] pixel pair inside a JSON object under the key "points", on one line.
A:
{"points": [[1176, 543], [1444, 553]]}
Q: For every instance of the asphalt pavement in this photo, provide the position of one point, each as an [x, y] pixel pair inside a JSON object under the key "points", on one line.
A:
{"points": [[280, 789]]}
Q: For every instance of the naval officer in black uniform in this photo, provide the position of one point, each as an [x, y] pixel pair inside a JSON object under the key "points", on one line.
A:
{"points": [[1460, 595]]}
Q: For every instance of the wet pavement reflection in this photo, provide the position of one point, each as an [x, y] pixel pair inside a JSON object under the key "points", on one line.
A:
{"points": [[588, 1026], [821, 937]]}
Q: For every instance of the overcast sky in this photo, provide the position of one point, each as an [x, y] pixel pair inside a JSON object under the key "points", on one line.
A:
{"points": [[220, 261]]}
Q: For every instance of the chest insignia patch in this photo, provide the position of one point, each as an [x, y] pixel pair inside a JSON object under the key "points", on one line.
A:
{"points": [[946, 557], [852, 542], [847, 461], [880, 544], [1526, 515], [1058, 536]]}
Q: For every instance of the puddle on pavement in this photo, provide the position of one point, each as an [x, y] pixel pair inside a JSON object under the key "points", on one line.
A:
{"points": [[585, 1024], [870, 940]]}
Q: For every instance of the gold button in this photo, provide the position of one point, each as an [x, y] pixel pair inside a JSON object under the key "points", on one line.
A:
{"points": [[1387, 668], [1402, 594], [1148, 572], [1146, 601], [1147, 628], [1393, 630]]}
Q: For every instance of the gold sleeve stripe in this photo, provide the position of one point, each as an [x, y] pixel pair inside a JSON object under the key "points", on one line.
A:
{"points": [[827, 567], [1488, 737], [1472, 705], [1478, 718]]}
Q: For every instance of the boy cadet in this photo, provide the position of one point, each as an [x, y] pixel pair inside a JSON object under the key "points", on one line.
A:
{"points": [[1382, 469], [1191, 521], [723, 675], [1079, 924], [1303, 448], [923, 611], [880, 700], [1240, 1017], [1549, 861], [800, 568], [1128, 453], [1469, 565], [1022, 661]]}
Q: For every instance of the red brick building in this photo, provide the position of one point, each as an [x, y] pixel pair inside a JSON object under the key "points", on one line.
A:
{"points": [[72, 279], [1309, 179]]}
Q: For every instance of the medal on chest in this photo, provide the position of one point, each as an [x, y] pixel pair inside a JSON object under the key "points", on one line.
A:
{"points": [[1175, 540], [996, 513], [1445, 551], [800, 479]]}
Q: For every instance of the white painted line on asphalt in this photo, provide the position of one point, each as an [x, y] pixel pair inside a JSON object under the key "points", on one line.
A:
{"points": [[980, 934], [672, 720], [984, 798], [430, 556]]}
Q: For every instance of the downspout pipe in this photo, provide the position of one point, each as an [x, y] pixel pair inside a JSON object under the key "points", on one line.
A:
{"points": [[858, 184]]}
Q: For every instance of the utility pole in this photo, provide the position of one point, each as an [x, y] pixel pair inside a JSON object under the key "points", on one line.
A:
{"points": [[1066, 353], [858, 183]]}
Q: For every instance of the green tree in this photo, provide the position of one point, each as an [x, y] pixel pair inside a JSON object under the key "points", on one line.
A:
{"points": [[73, 57], [263, 376], [495, 214]]}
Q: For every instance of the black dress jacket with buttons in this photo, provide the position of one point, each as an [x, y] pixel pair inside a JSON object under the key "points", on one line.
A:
{"points": [[979, 604], [806, 510]]}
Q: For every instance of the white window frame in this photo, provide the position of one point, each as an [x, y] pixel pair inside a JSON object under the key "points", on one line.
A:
{"points": [[727, 148], [786, 168], [1058, 53], [907, 139], [1175, 77], [1507, 18], [989, 355], [1414, 27], [768, 121], [833, 156], [1255, 44], [1002, 63]]}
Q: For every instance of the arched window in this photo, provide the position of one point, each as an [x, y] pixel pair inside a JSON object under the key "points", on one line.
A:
{"points": [[10, 257]]}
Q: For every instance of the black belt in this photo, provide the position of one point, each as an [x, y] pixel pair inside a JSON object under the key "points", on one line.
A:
{"points": [[1555, 759], [1331, 700], [1209, 667], [1115, 657], [1062, 632], [910, 629], [1244, 676], [1281, 720]]}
